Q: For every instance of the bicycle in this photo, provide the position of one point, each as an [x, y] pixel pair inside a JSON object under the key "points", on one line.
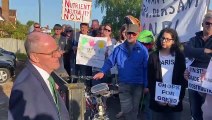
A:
{"points": [[94, 99]]}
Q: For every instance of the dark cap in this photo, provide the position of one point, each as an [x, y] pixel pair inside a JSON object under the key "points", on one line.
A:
{"points": [[132, 28], [57, 26]]}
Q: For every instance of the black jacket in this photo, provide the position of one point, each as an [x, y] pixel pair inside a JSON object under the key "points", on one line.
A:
{"points": [[194, 48], [155, 74]]}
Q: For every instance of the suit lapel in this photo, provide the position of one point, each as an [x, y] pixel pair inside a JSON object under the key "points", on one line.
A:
{"points": [[41, 81]]}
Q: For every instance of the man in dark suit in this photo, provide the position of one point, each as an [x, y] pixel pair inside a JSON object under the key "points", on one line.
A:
{"points": [[34, 95]]}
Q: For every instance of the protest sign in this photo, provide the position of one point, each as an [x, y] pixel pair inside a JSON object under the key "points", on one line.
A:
{"points": [[91, 51], [195, 81], [207, 82], [76, 10], [167, 93], [185, 16]]}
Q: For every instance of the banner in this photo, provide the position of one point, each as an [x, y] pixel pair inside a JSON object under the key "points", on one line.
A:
{"points": [[91, 51], [185, 16], [195, 81], [76, 10], [207, 82], [167, 93]]}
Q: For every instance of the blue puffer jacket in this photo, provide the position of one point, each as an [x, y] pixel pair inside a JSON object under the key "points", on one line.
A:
{"points": [[132, 66]]}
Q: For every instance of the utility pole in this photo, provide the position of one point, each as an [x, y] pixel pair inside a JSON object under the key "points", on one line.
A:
{"points": [[39, 4]]}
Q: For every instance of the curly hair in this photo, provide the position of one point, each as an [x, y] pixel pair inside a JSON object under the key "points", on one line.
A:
{"points": [[175, 47]]}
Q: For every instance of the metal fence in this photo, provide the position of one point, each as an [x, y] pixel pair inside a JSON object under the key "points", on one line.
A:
{"points": [[13, 45]]}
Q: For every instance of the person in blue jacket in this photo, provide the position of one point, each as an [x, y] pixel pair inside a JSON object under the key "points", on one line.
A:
{"points": [[131, 59]]}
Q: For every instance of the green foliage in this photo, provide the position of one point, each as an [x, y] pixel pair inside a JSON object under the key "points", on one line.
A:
{"points": [[17, 31], [21, 56], [116, 10]]}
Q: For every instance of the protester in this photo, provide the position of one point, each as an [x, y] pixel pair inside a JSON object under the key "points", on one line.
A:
{"points": [[94, 28], [122, 34], [62, 43], [110, 41], [34, 94], [83, 69], [131, 59], [101, 31], [122, 39], [68, 56], [146, 37], [37, 27], [199, 47], [171, 72]]}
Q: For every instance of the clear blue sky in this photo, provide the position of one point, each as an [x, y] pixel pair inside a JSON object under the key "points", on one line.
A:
{"points": [[50, 12]]}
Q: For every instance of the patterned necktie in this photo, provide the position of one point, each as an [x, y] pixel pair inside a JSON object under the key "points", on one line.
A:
{"points": [[55, 93]]}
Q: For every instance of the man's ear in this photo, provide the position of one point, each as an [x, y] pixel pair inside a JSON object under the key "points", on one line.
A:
{"points": [[33, 57]]}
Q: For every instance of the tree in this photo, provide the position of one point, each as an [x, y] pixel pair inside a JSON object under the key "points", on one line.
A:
{"points": [[116, 10]]}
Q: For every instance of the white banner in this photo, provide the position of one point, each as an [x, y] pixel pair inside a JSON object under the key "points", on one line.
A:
{"points": [[207, 82], [91, 51], [167, 93], [195, 81], [76, 10], [185, 16]]}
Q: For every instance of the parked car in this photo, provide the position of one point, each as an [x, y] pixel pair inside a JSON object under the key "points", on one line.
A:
{"points": [[8, 56], [6, 71], [8, 52]]}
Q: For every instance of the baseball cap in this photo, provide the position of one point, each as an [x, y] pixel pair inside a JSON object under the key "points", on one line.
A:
{"points": [[145, 36], [132, 28]]}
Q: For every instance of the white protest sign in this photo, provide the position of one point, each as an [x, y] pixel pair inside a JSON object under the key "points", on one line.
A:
{"points": [[207, 82], [91, 51], [185, 16], [195, 81], [167, 93], [76, 10]]}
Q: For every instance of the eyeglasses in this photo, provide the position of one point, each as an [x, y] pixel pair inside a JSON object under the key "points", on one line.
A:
{"points": [[54, 53], [107, 30], [69, 31], [165, 39], [132, 33], [208, 23], [36, 26]]}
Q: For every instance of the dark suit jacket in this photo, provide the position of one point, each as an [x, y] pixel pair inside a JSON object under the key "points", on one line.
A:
{"points": [[31, 99]]}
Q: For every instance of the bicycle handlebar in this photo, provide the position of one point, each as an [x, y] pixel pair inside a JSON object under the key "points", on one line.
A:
{"points": [[82, 77]]}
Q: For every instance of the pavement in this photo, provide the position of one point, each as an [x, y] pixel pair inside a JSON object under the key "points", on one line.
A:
{"points": [[113, 105]]}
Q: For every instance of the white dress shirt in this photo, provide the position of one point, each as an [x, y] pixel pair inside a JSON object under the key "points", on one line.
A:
{"points": [[45, 76]]}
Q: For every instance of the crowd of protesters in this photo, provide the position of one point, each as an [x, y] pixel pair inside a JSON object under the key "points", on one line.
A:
{"points": [[140, 61]]}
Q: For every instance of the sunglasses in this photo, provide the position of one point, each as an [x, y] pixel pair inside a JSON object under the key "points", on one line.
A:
{"points": [[131, 33], [69, 31], [208, 23], [107, 30], [36, 26]]}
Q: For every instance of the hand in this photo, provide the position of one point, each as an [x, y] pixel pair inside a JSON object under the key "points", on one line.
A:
{"points": [[98, 76], [202, 76], [162, 104], [146, 90], [186, 74], [171, 105], [208, 51]]}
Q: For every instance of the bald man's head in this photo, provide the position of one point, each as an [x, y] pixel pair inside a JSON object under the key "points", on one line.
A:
{"points": [[38, 42]]}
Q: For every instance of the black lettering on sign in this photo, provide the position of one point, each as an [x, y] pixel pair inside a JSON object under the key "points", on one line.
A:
{"points": [[167, 100], [167, 92], [194, 78], [195, 70], [167, 62], [184, 6], [153, 26]]}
